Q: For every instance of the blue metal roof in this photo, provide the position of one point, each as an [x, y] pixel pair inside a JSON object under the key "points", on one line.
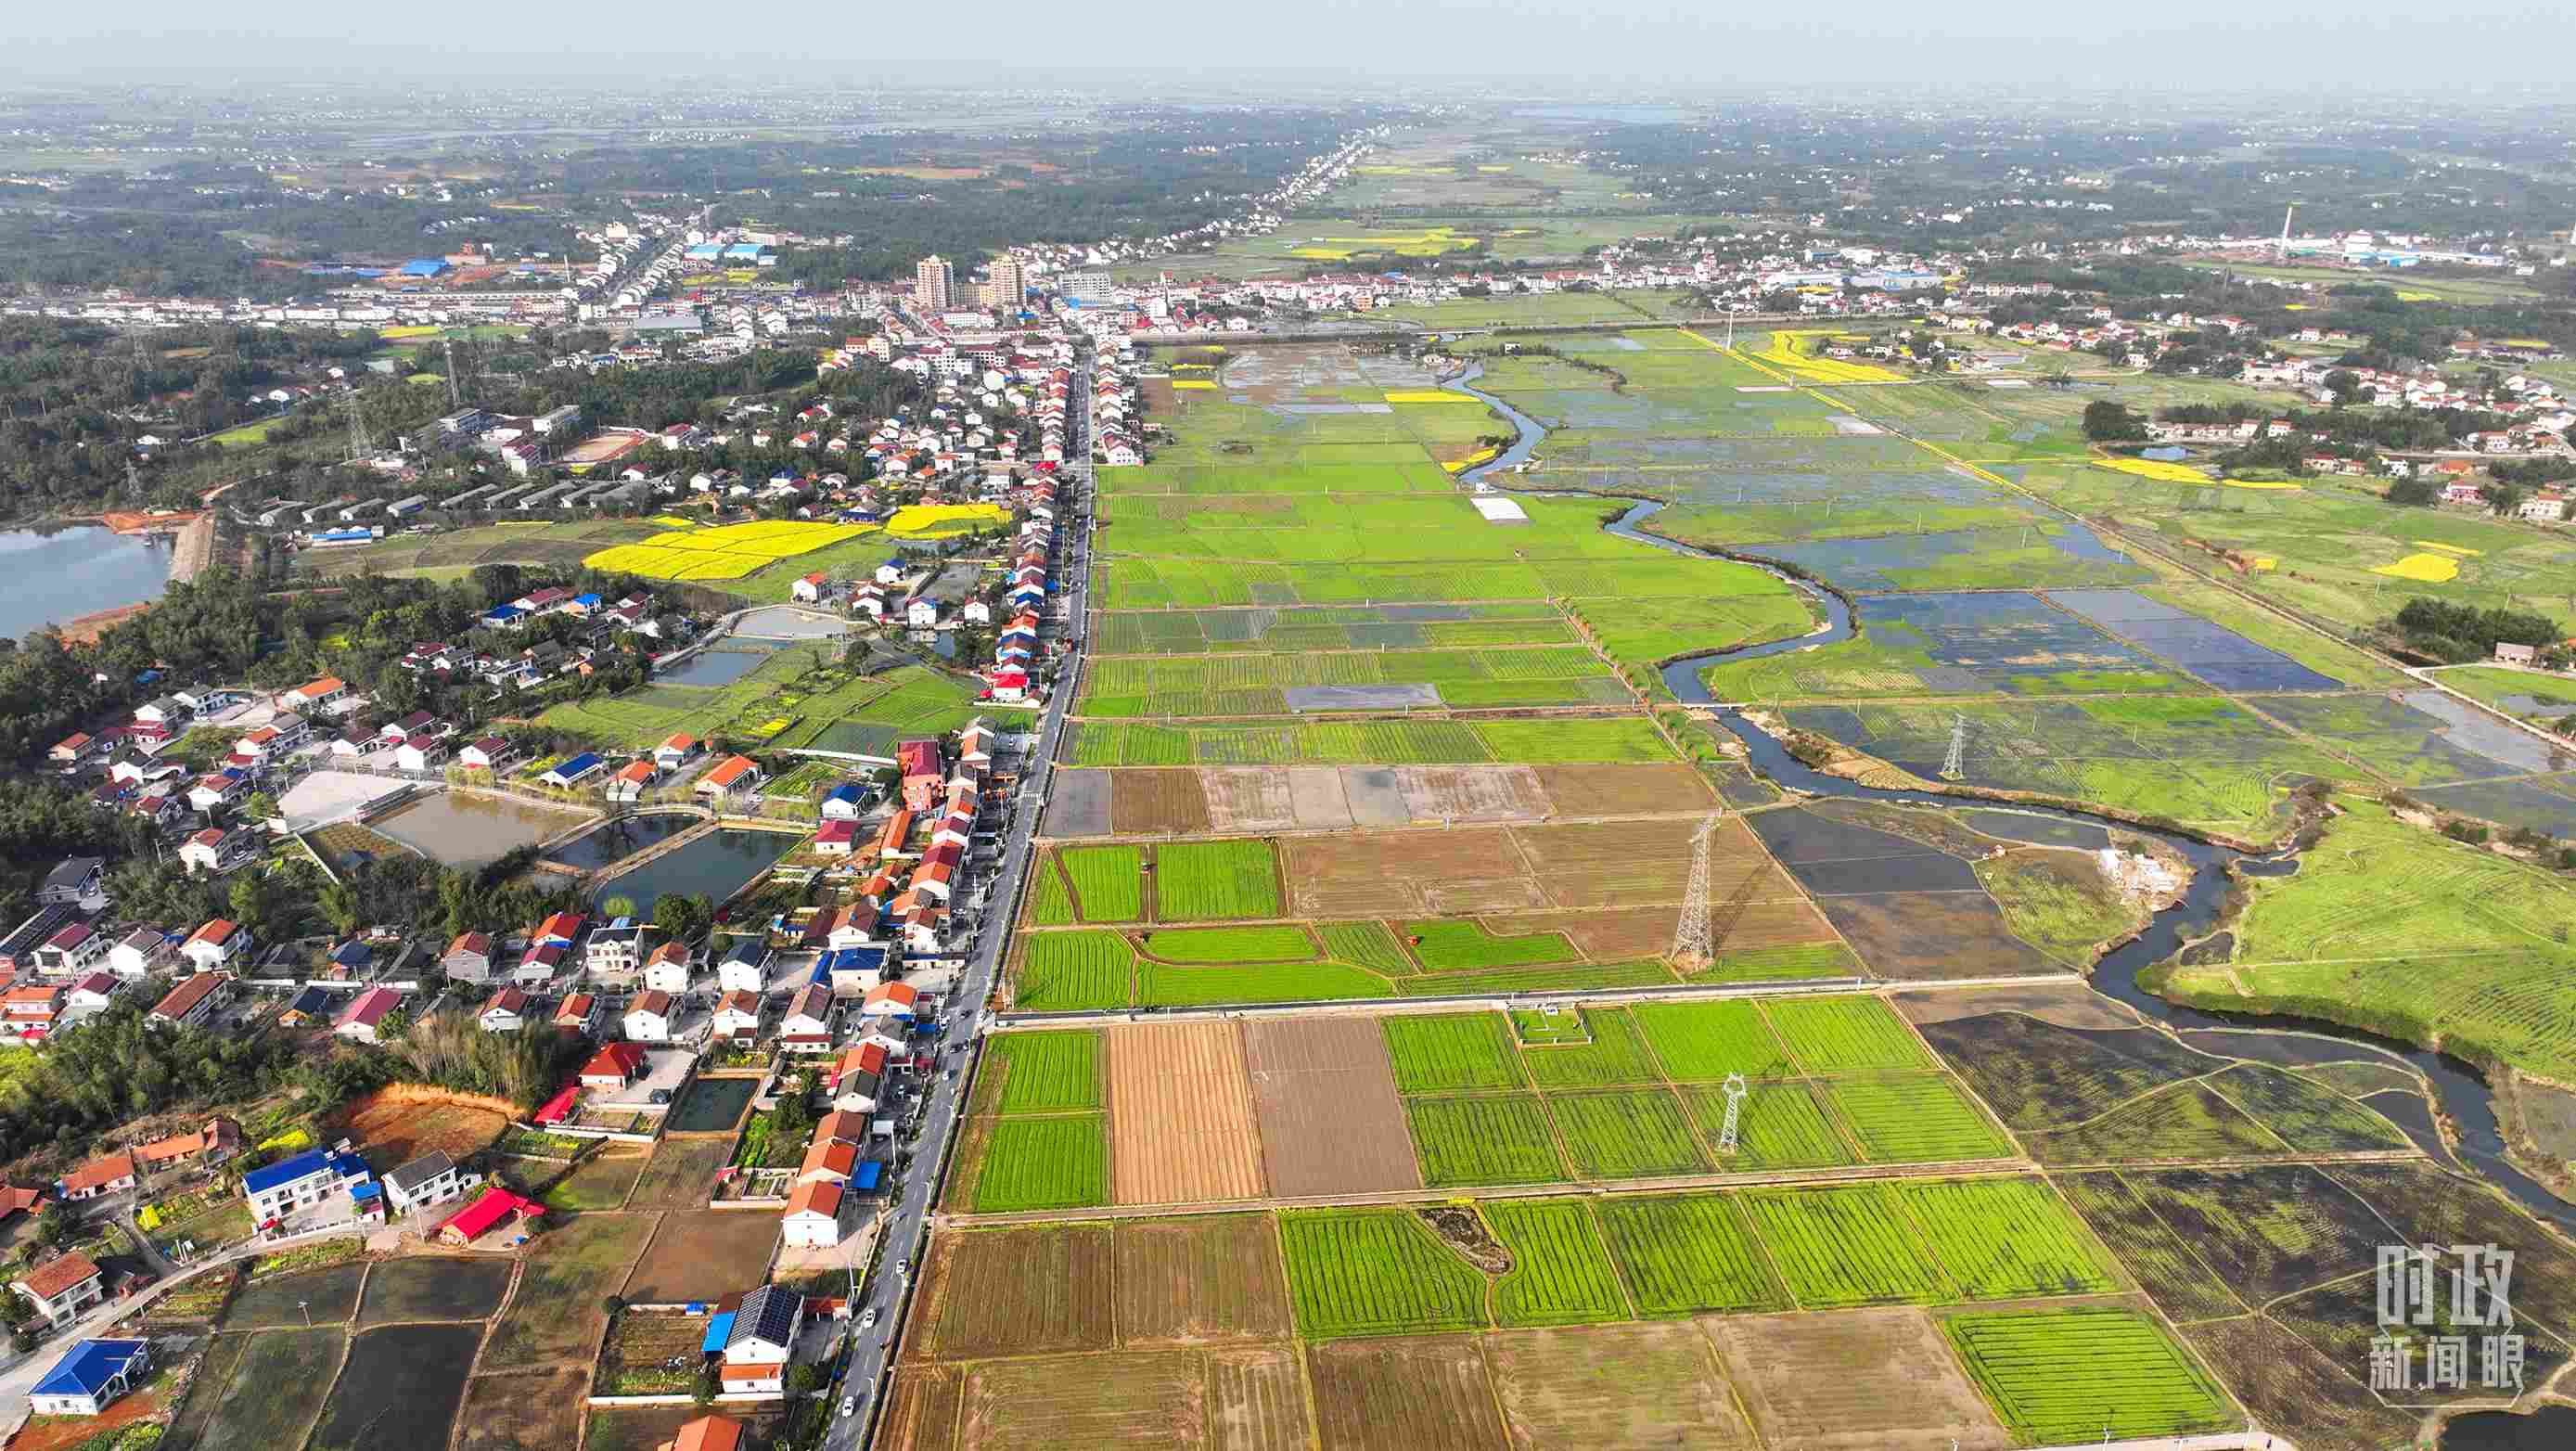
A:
{"points": [[719, 1329], [748, 949], [868, 1175], [89, 1365], [285, 1171], [586, 761], [846, 791], [354, 953]]}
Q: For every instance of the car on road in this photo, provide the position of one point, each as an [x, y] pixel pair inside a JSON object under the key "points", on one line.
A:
{"points": [[849, 1405], [903, 1268], [869, 1320]]}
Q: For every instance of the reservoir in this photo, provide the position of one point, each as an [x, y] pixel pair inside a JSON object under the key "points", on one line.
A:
{"points": [[56, 575]]}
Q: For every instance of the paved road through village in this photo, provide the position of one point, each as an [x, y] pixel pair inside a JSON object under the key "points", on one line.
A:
{"points": [[905, 1235]]}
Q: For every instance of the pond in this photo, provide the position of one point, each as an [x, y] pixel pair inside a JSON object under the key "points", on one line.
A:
{"points": [[714, 667], [471, 831], [615, 841], [59, 574], [711, 1105], [2548, 1429], [716, 865]]}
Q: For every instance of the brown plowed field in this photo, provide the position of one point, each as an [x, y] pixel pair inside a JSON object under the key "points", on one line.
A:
{"points": [[1636, 790], [1417, 1393], [923, 1414], [1129, 1398], [1631, 863], [1397, 873], [1195, 1280], [1038, 1290], [1924, 936], [1256, 1401], [704, 1255], [1247, 800], [1614, 1388], [1472, 793], [1893, 1384], [1331, 1122], [1180, 1115], [1157, 800], [1603, 936]]}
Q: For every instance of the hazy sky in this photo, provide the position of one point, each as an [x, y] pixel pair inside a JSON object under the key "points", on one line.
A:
{"points": [[2166, 44]]}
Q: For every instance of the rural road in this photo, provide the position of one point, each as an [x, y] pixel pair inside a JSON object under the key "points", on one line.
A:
{"points": [[907, 1225]]}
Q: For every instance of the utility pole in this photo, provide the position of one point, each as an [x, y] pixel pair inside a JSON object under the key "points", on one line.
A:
{"points": [[448, 347]]}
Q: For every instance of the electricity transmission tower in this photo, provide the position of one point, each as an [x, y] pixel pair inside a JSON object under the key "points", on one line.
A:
{"points": [[1692, 944], [1954, 765], [449, 346], [1735, 1090], [360, 445]]}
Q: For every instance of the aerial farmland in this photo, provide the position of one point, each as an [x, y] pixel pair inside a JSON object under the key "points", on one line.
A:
{"points": [[1346, 744]]}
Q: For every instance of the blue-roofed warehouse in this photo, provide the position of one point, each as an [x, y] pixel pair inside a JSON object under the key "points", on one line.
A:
{"points": [[423, 267]]}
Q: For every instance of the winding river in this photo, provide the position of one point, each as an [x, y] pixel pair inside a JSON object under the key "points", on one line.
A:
{"points": [[2464, 1096]]}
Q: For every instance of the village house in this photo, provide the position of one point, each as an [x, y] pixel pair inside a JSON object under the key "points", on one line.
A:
{"points": [[737, 1016], [807, 1028], [218, 1141], [193, 1003], [363, 1020], [433, 1178], [668, 968], [491, 1209], [762, 1341], [631, 781], [215, 850], [676, 751], [91, 1376], [79, 881], [506, 1011], [138, 953], [106, 1174], [578, 1012], [857, 1081], [92, 992], [745, 966], [61, 1288], [217, 943], [468, 958], [614, 950], [734, 773], [29, 1009], [302, 1181], [648, 1017], [70, 951], [614, 1066]]}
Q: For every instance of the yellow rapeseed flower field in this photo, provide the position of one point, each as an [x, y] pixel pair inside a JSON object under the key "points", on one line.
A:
{"points": [[938, 521], [1429, 395], [2422, 568], [2153, 468]]}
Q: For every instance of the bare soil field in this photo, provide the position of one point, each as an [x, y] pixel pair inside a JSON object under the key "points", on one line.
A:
{"points": [[1038, 1290], [1256, 1400], [1078, 804], [2067, 1004], [399, 1124], [1316, 797], [922, 1416], [703, 1255], [1853, 1380], [1472, 793], [1602, 936], [1623, 790], [1375, 797], [1331, 1122], [1126, 1398], [1242, 799], [1920, 936], [1629, 863], [1169, 799], [1180, 1115], [530, 1408], [1409, 873], [1421, 1393], [1614, 1388], [1194, 1281]]}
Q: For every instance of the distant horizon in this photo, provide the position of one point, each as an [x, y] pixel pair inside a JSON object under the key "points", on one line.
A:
{"points": [[2180, 47]]}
